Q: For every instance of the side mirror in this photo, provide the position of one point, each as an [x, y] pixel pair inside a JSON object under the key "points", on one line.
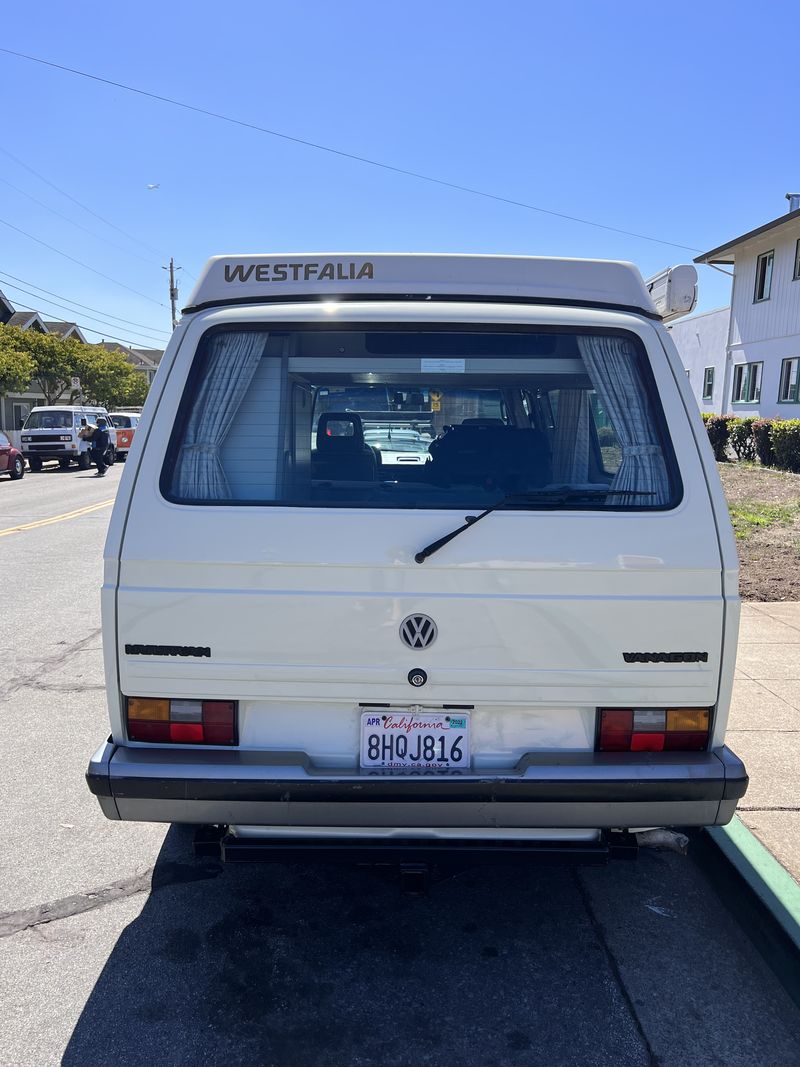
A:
{"points": [[20, 423]]}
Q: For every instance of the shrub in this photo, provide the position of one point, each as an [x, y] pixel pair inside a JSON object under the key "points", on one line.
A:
{"points": [[740, 435], [785, 438], [717, 427], [762, 442]]}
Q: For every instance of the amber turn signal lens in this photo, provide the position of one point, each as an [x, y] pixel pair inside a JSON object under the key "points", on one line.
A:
{"points": [[686, 719], [146, 709]]}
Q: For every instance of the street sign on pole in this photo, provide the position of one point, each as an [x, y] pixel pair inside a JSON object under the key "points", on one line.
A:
{"points": [[75, 383]]}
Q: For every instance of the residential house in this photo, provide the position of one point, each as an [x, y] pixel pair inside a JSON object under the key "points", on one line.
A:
{"points": [[67, 330], [6, 308], [144, 360], [28, 320], [15, 407], [760, 371]]}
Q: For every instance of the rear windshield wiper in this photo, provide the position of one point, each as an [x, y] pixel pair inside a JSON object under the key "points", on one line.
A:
{"points": [[554, 496]]}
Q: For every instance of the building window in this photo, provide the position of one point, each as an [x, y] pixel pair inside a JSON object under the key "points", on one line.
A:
{"points": [[763, 276], [708, 383], [796, 272], [789, 389], [746, 383]]}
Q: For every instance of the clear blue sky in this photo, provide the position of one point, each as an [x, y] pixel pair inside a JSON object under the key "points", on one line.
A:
{"points": [[670, 120]]}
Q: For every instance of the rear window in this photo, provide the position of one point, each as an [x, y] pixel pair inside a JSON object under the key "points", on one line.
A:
{"points": [[411, 419]]}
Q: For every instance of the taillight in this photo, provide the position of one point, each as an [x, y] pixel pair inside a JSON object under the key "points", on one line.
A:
{"points": [[182, 722], [652, 729]]}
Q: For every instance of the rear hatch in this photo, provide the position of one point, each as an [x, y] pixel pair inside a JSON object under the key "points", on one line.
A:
{"points": [[287, 588]]}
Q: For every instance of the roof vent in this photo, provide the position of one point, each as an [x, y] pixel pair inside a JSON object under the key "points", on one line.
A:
{"points": [[794, 201]]}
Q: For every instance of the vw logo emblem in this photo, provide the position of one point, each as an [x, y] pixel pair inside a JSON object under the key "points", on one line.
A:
{"points": [[418, 631]]}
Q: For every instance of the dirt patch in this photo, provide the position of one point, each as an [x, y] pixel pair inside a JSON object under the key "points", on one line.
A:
{"points": [[765, 509]]}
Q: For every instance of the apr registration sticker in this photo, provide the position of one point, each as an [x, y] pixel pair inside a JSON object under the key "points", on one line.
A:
{"points": [[399, 740]]}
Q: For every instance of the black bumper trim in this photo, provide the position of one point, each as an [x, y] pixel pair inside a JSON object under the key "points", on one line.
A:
{"points": [[422, 791], [99, 784]]}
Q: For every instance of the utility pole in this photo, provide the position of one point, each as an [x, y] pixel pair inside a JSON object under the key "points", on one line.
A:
{"points": [[173, 291]]}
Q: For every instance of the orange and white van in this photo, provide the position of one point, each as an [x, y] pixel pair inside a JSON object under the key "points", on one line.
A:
{"points": [[125, 423]]}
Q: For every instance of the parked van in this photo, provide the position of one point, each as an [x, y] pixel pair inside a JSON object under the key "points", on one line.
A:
{"points": [[52, 433], [125, 423], [527, 640]]}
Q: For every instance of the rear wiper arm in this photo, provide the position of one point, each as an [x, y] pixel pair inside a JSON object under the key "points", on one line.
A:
{"points": [[554, 495]]}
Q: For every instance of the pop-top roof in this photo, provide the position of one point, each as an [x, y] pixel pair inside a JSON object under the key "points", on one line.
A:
{"points": [[326, 276]]}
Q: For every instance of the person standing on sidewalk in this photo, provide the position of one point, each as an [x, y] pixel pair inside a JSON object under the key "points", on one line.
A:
{"points": [[98, 438]]}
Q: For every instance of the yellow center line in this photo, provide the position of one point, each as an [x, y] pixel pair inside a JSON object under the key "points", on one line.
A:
{"points": [[56, 518]]}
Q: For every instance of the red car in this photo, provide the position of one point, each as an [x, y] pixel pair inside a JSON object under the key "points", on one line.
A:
{"points": [[11, 461]]}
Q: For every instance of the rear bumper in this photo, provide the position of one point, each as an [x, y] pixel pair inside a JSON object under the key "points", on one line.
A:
{"points": [[283, 789]]}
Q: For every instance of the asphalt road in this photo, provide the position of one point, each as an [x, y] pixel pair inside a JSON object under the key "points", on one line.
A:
{"points": [[116, 946]]}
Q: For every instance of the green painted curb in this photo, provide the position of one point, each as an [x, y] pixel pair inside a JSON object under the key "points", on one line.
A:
{"points": [[771, 883]]}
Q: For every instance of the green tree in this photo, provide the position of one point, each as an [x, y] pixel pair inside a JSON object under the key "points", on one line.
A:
{"points": [[106, 377], [16, 366], [51, 359]]}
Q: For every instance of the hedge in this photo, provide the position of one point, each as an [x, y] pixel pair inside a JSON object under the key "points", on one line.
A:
{"points": [[776, 442], [785, 438], [740, 434], [718, 430], [762, 441]]}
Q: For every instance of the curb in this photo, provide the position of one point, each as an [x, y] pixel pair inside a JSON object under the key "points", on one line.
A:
{"points": [[760, 893]]}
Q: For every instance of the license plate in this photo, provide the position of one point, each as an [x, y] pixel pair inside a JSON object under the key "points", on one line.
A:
{"points": [[437, 740]]}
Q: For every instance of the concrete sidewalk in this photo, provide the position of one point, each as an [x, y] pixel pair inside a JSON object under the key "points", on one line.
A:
{"points": [[764, 727]]}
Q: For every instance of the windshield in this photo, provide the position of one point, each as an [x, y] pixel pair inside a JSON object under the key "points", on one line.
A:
{"points": [[412, 419], [49, 420], [121, 422]]}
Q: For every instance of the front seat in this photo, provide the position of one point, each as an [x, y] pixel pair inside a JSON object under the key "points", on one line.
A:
{"points": [[341, 454]]}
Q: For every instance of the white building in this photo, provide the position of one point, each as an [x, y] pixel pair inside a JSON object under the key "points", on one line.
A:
{"points": [[702, 342], [758, 372]]}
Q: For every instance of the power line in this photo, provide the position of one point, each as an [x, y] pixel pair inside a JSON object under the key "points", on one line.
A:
{"points": [[344, 155], [80, 264], [88, 329], [69, 196], [86, 307], [72, 222], [54, 303], [47, 181]]}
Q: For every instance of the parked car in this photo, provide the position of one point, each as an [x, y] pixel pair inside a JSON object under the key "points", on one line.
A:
{"points": [[125, 423], [398, 446], [12, 462], [527, 641], [54, 433]]}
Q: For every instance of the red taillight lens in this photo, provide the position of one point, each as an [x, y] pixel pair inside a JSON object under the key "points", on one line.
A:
{"points": [[186, 733], [148, 731], [643, 742], [616, 727], [686, 740], [653, 729], [182, 722]]}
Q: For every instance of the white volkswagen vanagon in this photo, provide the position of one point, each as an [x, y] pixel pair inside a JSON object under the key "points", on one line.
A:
{"points": [[53, 432], [527, 640]]}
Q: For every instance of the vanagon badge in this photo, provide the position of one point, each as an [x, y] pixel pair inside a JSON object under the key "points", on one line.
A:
{"points": [[418, 631]]}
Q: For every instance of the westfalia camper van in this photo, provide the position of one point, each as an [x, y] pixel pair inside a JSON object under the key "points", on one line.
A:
{"points": [[524, 637]]}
